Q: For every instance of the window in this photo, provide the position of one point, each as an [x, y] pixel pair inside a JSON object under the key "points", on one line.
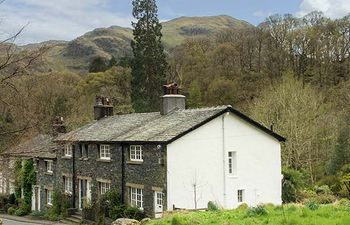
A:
{"points": [[232, 163], [159, 198], [136, 197], [49, 167], [48, 197], [105, 152], [68, 151], [68, 184], [12, 187], [12, 164], [104, 187], [136, 153], [84, 150], [240, 196]]}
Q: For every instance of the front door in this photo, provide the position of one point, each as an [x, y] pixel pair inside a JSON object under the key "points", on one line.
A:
{"points": [[84, 192], [158, 204]]}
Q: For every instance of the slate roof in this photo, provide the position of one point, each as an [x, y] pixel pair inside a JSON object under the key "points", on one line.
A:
{"points": [[41, 146], [151, 127]]}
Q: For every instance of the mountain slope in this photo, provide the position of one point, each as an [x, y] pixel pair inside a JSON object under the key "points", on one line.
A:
{"points": [[115, 41]]}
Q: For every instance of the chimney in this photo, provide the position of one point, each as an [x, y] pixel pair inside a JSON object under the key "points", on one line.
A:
{"points": [[103, 107], [58, 126], [171, 100]]}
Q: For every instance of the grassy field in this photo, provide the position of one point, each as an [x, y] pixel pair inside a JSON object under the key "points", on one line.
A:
{"points": [[286, 215]]}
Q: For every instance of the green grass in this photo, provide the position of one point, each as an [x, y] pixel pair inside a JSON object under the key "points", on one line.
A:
{"points": [[286, 215]]}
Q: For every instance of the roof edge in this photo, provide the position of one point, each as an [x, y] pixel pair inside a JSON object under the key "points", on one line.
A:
{"points": [[237, 113]]}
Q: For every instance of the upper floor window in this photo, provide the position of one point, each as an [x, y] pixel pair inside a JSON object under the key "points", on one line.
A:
{"points": [[104, 187], [68, 150], [136, 153], [105, 152], [232, 163], [49, 166], [136, 197], [240, 196], [84, 150], [68, 184]]}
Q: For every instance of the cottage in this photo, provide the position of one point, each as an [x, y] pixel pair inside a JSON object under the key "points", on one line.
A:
{"points": [[175, 158]]}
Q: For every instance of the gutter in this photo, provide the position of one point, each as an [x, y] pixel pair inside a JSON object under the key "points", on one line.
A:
{"points": [[224, 159]]}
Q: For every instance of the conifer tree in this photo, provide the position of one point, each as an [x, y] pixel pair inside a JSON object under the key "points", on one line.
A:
{"points": [[149, 64]]}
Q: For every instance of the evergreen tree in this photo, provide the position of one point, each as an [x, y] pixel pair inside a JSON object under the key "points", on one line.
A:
{"points": [[149, 64], [98, 65]]}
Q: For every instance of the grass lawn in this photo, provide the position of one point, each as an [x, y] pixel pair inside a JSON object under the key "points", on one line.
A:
{"points": [[275, 215]]}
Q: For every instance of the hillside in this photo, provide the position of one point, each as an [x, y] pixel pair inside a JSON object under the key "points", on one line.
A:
{"points": [[105, 42]]}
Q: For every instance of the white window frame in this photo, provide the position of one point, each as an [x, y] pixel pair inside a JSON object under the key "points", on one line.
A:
{"points": [[104, 187], [68, 150], [232, 163], [240, 195], [2, 184], [136, 153], [105, 152], [136, 197], [68, 184], [49, 165], [49, 194]]}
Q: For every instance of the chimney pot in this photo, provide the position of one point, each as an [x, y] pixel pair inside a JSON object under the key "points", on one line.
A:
{"points": [[172, 99], [58, 126], [103, 107]]}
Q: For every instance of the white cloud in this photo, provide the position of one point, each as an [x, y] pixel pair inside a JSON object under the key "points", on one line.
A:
{"points": [[56, 20], [331, 8]]}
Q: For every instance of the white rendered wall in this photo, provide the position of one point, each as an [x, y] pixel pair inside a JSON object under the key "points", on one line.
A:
{"points": [[198, 159]]}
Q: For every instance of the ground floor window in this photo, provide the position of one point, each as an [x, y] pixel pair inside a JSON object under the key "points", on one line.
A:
{"points": [[49, 197], [240, 196], [104, 187], [136, 197], [68, 184], [12, 187], [2, 184]]}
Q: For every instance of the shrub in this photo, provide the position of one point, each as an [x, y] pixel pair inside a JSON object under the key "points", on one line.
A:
{"points": [[212, 206], [243, 206], [324, 189], [325, 199], [59, 206], [134, 213], [21, 212], [343, 202], [292, 183], [257, 211], [12, 199], [312, 205], [38, 214], [4, 200], [11, 211]]}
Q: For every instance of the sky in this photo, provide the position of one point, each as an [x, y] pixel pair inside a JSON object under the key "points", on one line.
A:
{"points": [[68, 19]]}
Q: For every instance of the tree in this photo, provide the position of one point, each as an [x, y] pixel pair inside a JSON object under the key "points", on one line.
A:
{"points": [[98, 65], [149, 64]]}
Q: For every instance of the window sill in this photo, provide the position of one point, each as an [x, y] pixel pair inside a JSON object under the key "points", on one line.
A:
{"points": [[66, 157], [48, 173], [83, 158], [103, 160], [134, 162], [233, 176], [49, 204]]}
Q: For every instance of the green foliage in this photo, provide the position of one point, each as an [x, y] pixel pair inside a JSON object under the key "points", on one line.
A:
{"points": [[194, 96], [11, 210], [243, 206], [18, 179], [59, 206], [38, 214], [149, 65], [22, 211], [222, 92], [259, 210], [28, 180], [312, 205], [176, 220], [292, 183], [110, 205], [212, 206]]}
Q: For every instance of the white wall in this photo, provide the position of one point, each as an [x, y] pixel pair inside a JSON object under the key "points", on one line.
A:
{"points": [[200, 158]]}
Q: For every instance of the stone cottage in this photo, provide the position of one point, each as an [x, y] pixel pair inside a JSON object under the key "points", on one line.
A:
{"points": [[175, 158]]}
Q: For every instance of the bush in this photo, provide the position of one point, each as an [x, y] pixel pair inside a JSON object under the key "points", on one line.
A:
{"points": [[134, 213], [324, 189], [212, 206], [312, 205], [38, 214], [12, 199], [257, 211], [59, 206], [11, 211], [21, 212], [243, 206], [292, 183], [4, 200], [343, 202]]}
